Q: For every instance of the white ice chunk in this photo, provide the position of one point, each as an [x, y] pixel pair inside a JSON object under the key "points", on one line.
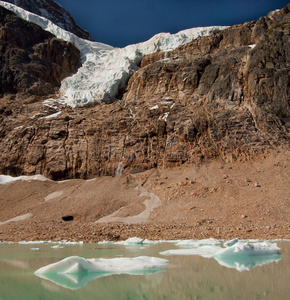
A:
{"points": [[135, 241], [74, 272], [198, 243], [204, 251], [105, 242], [231, 242], [32, 242], [245, 256]]}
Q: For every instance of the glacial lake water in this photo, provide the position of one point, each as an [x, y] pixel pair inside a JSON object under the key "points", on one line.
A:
{"points": [[184, 277]]}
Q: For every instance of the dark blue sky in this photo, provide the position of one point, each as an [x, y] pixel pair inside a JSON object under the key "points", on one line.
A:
{"points": [[123, 22]]}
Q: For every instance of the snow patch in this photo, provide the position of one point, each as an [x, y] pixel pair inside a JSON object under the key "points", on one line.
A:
{"points": [[17, 219], [53, 115], [7, 178], [53, 195]]}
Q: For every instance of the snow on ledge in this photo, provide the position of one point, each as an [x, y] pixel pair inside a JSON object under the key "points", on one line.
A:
{"points": [[7, 178]]}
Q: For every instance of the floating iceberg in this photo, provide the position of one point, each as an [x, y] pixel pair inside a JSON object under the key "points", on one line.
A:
{"points": [[198, 243], [74, 272], [135, 241], [231, 242], [239, 255], [245, 256], [204, 251]]}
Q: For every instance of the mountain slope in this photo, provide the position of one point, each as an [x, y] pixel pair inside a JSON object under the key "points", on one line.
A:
{"points": [[54, 12], [223, 96]]}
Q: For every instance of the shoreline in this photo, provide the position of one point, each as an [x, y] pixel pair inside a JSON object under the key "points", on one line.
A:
{"points": [[92, 233], [245, 200]]}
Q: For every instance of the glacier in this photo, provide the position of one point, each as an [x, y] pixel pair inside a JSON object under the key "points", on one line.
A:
{"points": [[106, 69]]}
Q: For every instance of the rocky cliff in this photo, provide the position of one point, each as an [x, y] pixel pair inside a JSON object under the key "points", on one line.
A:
{"points": [[51, 10], [223, 97], [33, 61]]}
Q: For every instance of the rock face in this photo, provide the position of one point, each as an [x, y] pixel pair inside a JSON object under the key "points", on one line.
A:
{"points": [[32, 60], [223, 97], [51, 10]]}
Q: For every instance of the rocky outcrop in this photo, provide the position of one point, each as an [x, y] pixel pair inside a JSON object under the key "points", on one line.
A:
{"points": [[222, 97], [51, 10], [32, 61]]}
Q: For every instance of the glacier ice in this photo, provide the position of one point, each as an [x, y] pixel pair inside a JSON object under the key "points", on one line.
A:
{"points": [[74, 272], [106, 69], [244, 256], [204, 251], [198, 243], [239, 255]]}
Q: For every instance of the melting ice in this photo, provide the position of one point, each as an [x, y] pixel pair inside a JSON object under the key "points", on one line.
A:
{"points": [[239, 255], [74, 272]]}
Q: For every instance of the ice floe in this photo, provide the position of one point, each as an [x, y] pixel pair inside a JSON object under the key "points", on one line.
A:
{"points": [[239, 255], [198, 243], [245, 256], [135, 241], [204, 251], [74, 272]]}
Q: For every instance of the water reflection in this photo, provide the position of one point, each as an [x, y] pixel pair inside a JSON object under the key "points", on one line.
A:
{"points": [[186, 277], [246, 262], [77, 280]]}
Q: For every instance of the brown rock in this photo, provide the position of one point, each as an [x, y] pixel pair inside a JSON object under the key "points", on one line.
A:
{"points": [[32, 61], [217, 98]]}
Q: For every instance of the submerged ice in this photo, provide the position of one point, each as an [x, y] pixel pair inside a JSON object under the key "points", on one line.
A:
{"points": [[106, 69], [74, 272]]}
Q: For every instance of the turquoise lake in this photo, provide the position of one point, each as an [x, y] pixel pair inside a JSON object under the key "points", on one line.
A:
{"points": [[184, 277]]}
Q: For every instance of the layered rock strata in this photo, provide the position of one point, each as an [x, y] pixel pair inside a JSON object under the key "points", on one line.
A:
{"points": [[223, 97]]}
